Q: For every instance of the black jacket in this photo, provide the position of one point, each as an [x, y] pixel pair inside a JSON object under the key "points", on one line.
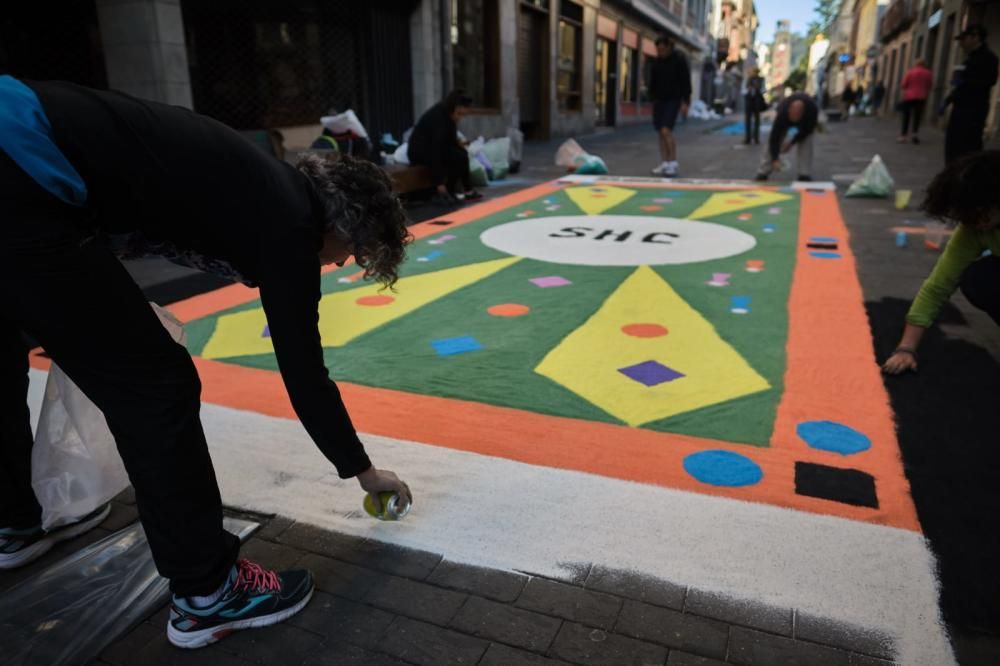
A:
{"points": [[670, 78], [806, 126], [434, 137], [978, 75], [180, 177]]}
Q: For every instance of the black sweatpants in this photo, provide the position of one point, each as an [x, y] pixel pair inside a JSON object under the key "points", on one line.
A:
{"points": [[981, 285], [457, 164], [964, 134], [70, 293], [911, 110]]}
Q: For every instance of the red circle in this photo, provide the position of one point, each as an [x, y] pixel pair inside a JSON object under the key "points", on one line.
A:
{"points": [[375, 300], [644, 330], [508, 310]]}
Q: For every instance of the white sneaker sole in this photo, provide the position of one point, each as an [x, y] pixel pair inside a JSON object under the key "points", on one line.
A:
{"points": [[190, 640], [39, 548]]}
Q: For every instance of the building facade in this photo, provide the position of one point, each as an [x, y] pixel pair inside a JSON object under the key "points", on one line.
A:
{"points": [[781, 57], [548, 67]]}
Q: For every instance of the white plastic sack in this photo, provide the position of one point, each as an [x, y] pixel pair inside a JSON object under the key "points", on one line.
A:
{"points": [[75, 466], [568, 153], [402, 154], [497, 151], [345, 122], [874, 181], [516, 137]]}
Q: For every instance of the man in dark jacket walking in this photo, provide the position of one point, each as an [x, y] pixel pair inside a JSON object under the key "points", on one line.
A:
{"points": [[670, 89], [970, 98], [799, 111]]}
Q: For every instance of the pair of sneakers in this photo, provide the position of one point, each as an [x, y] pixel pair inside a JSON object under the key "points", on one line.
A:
{"points": [[667, 169], [251, 596]]}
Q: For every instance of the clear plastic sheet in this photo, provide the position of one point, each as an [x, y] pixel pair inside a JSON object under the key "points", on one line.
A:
{"points": [[71, 611]]}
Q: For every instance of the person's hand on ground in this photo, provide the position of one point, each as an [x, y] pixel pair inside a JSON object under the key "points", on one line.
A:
{"points": [[374, 481], [900, 362]]}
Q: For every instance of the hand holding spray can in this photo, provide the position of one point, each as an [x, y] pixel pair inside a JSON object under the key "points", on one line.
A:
{"points": [[392, 506]]}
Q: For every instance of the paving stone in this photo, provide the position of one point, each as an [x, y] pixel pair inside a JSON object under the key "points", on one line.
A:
{"points": [[749, 647], [678, 658], [415, 599], [149, 646], [507, 624], [813, 628], [636, 586], [344, 654], [674, 629], [271, 555], [427, 645], [274, 528], [340, 578], [740, 611], [344, 621], [278, 644], [370, 554], [490, 583], [120, 516], [585, 645], [502, 655], [573, 603]]}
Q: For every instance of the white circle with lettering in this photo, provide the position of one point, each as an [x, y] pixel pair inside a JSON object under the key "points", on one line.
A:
{"points": [[617, 240]]}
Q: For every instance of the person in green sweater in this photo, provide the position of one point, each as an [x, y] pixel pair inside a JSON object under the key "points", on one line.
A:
{"points": [[966, 193]]}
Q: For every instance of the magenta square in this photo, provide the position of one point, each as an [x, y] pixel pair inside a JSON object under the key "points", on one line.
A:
{"points": [[650, 373], [550, 281]]}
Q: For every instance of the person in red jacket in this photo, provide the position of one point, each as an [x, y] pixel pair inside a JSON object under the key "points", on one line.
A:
{"points": [[916, 87]]}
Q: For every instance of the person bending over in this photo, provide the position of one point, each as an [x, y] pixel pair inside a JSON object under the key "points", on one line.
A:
{"points": [[434, 143], [964, 193], [798, 111]]}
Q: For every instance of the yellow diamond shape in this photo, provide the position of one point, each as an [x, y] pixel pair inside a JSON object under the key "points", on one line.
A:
{"points": [[596, 199], [342, 318], [721, 203], [588, 361]]}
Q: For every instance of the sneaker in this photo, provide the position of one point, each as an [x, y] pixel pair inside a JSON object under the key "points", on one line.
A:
{"points": [[803, 178], [473, 195], [760, 177], [915, 139], [671, 170], [21, 547], [252, 597], [901, 138], [660, 170]]}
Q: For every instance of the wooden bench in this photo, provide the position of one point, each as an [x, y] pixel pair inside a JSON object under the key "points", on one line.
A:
{"points": [[407, 179]]}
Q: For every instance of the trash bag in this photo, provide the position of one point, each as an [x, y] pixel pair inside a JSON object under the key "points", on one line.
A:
{"points": [[477, 173], [874, 181], [591, 165], [567, 154], [75, 466], [345, 123], [497, 151], [402, 154]]}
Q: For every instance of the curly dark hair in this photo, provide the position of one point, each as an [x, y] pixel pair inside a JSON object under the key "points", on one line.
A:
{"points": [[362, 209], [966, 191]]}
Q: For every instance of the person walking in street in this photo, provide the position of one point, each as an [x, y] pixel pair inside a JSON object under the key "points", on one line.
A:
{"points": [[970, 98], [434, 143], [847, 99], [670, 90], [753, 104], [966, 193], [878, 95], [915, 87], [800, 111], [77, 165]]}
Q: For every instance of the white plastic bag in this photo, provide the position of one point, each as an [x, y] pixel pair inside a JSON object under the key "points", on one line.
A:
{"points": [[345, 122], [75, 466], [402, 154], [568, 153], [874, 181]]}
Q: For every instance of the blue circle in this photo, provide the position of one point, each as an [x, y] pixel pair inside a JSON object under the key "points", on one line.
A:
{"points": [[825, 255], [723, 468], [834, 437]]}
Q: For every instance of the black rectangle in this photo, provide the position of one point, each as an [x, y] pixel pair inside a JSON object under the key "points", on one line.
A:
{"points": [[847, 486]]}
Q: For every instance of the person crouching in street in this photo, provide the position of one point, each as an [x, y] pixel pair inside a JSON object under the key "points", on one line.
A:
{"points": [[78, 164], [798, 111]]}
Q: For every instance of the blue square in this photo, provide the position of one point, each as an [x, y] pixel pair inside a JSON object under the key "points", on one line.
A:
{"points": [[452, 346]]}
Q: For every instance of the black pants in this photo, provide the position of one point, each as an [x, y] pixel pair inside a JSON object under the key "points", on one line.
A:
{"points": [[911, 110], [70, 293], [457, 165], [964, 134], [752, 118], [981, 285]]}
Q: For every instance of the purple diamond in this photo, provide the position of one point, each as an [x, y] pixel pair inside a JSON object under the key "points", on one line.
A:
{"points": [[650, 373], [550, 281]]}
